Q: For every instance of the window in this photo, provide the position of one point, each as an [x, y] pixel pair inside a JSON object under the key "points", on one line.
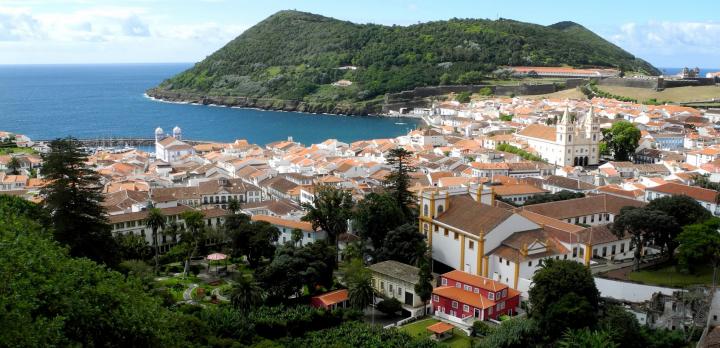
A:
{"points": [[444, 281], [504, 292], [440, 209], [468, 287], [458, 285], [575, 252], [477, 290], [612, 250], [454, 304], [592, 218], [400, 291], [446, 232], [565, 257], [622, 247], [604, 253], [436, 298], [382, 285], [466, 308], [471, 245], [529, 263], [455, 235], [491, 296], [501, 260], [425, 210], [390, 288], [507, 262]]}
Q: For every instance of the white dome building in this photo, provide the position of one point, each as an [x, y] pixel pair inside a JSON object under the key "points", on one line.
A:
{"points": [[177, 133], [158, 134]]}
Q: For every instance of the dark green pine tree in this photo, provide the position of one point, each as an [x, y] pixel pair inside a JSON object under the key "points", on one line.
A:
{"points": [[398, 182], [73, 199]]}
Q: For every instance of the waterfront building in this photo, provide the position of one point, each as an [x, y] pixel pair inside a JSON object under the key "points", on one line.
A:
{"points": [[171, 148]]}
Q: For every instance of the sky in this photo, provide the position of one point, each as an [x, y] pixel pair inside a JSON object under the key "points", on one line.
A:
{"points": [[665, 33]]}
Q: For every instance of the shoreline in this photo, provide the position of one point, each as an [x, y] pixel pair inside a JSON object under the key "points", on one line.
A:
{"points": [[160, 100], [369, 109]]}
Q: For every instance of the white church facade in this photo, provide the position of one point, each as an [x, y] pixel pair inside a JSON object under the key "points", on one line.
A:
{"points": [[171, 148], [570, 143]]}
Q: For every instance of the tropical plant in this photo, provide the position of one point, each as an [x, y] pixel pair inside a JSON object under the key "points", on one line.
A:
{"points": [[246, 293], [156, 221], [329, 211], [13, 166]]}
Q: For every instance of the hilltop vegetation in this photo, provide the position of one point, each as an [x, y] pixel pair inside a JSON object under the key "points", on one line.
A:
{"points": [[296, 56]]}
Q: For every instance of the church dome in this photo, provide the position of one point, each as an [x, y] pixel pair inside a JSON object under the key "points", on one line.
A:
{"points": [[158, 131], [177, 130]]}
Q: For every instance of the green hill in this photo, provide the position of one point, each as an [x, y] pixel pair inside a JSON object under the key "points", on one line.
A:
{"points": [[291, 59]]}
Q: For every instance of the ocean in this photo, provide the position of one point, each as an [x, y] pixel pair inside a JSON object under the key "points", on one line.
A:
{"points": [[106, 101]]}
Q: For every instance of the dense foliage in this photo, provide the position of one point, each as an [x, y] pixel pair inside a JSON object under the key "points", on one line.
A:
{"points": [[563, 296], [554, 197], [294, 55], [51, 299], [518, 151], [622, 139]]}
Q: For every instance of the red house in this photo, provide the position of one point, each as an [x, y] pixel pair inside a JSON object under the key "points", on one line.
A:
{"points": [[463, 297], [331, 300]]}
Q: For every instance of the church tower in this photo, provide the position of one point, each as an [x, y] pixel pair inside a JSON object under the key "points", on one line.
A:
{"points": [[565, 129], [177, 133], [591, 126]]}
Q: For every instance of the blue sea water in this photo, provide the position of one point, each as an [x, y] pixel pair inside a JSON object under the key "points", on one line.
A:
{"points": [[674, 71], [89, 101]]}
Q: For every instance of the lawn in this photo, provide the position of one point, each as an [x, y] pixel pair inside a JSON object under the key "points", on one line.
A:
{"points": [[418, 329], [677, 94], [19, 150], [668, 276]]}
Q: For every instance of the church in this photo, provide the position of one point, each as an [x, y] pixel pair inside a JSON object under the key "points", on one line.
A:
{"points": [[171, 148], [573, 142]]}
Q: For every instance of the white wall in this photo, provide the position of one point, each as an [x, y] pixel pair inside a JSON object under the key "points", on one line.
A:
{"points": [[627, 291]]}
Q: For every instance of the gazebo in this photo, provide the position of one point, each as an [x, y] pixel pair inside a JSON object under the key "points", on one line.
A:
{"points": [[441, 330], [216, 257]]}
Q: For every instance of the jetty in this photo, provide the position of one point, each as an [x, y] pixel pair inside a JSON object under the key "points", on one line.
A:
{"points": [[123, 141]]}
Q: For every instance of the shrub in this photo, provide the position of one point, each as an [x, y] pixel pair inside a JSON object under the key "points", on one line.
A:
{"points": [[481, 328], [389, 306]]}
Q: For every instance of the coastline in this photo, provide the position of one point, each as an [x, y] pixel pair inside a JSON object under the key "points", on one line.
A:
{"points": [[371, 109]]}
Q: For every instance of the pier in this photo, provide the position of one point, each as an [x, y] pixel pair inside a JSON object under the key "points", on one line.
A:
{"points": [[124, 141]]}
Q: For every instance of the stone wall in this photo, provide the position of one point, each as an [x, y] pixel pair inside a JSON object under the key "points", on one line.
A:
{"points": [[652, 82]]}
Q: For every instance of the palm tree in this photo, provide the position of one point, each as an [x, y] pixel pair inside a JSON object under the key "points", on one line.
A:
{"points": [[156, 221], [297, 235], [585, 338], [358, 278], [234, 205], [246, 293], [194, 233]]}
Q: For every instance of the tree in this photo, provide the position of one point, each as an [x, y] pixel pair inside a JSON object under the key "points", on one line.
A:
{"points": [[424, 286], [193, 235], [623, 326], [13, 166], [233, 205], [358, 279], [73, 198], [699, 243], [246, 293], [398, 181], [403, 244], [156, 221], [132, 247], [586, 338], [643, 225], [294, 268], [296, 235], [563, 296], [330, 210], [389, 306], [683, 208], [554, 197], [377, 214], [516, 333], [51, 299], [622, 139], [463, 97]]}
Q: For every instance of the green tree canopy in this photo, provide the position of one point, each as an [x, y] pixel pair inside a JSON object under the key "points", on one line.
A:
{"points": [[699, 244], [398, 182], [330, 210], [622, 139], [563, 296], [643, 225], [73, 198], [377, 214], [404, 244]]}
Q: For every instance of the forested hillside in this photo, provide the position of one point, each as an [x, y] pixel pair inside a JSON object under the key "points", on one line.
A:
{"points": [[297, 56]]}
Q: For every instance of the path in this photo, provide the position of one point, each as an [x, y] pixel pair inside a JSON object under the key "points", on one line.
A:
{"points": [[217, 294], [187, 294]]}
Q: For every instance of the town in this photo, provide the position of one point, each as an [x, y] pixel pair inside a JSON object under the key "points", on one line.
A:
{"points": [[488, 194]]}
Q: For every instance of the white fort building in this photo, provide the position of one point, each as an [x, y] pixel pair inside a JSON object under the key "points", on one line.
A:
{"points": [[570, 143]]}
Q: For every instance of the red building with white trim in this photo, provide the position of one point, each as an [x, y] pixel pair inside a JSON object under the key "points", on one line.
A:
{"points": [[465, 298]]}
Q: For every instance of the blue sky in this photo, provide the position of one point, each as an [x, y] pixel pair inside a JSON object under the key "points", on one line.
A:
{"points": [[666, 33]]}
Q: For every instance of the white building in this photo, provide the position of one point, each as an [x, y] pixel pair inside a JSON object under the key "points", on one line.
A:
{"points": [[569, 144], [171, 148]]}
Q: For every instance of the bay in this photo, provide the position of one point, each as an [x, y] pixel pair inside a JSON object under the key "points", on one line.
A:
{"points": [[105, 101]]}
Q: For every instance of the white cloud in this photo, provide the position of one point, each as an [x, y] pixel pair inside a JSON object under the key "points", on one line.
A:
{"points": [[681, 40], [105, 34]]}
